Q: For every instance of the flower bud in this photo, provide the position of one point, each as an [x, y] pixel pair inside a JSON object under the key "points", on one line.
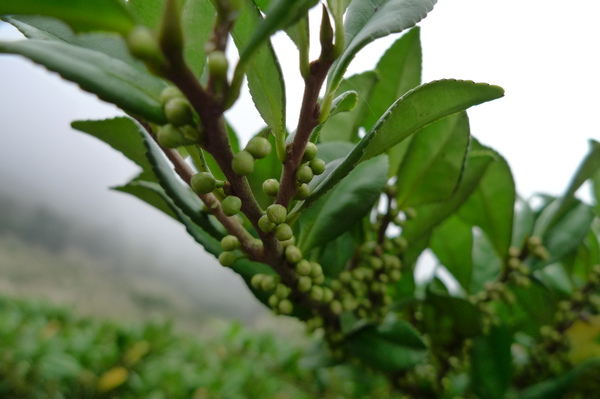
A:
{"points": [[310, 152], [265, 224], [243, 163], [230, 243], [218, 65], [259, 147], [179, 112], [282, 291], [227, 258], [169, 93], [293, 254], [316, 293], [303, 267], [315, 269], [302, 192], [169, 136], [268, 283], [336, 307], [283, 232], [256, 280], [231, 205], [203, 183], [273, 301], [285, 306], [327, 295], [277, 213], [304, 174], [271, 187], [317, 165], [142, 44], [304, 284]]}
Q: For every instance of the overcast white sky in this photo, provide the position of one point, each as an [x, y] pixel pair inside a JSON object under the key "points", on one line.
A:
{"points": [[544, 54]]}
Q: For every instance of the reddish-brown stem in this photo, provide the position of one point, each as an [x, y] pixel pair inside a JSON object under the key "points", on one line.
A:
{"points": [[308, 120]]}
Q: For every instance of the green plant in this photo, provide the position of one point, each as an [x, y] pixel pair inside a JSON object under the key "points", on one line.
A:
{"points": [[330, 224]]}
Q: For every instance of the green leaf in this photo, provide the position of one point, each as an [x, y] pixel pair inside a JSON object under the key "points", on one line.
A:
{"points": [[422, 106], [491, 206], [369, 20], [539, 304], [345, 102], [523, 222], [431, 215], [181, 194], [45, 28], [122, 135], [418, 108], [81, 15], [399, 71], [487, 264], [446, 317], [434, 162], [336, 254], [491, 363], [393, 346], [212, 164], [151, 193], [147, 12], [452, 244], [344, 206], [344, 127], [567, 233], [265, 79], [112, 80], [559, 386]]}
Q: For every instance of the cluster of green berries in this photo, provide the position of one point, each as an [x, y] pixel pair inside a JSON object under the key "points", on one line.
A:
{"points": [[536, 248], [182, 128], [280, 293], [310, 167], [257, 148], [364, 289], [274, 221]]}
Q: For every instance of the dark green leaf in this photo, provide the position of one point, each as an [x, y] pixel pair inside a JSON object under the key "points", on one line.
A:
{"points": [[523, 222], [491, 364], [416, 109], [81, 15], [491, 206], [557, 387], [431, 215], [393, 346], [434, 161], [344, 127], [399, 71], [110, 79], [122, 135], [265, 79], [344, 206], [367, 21], [487, 265], [567, 233], [45, 28], [336, 254], [452, 244], [151, 193], [447, 317], [539, 303]]}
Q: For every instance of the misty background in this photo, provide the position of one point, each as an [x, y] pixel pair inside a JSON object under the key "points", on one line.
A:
{"points": [[543, 53]]}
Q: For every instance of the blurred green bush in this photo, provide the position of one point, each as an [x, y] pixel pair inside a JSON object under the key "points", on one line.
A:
{"points": [[46, 352]]}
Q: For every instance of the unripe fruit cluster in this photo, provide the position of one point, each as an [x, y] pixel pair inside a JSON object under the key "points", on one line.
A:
{"points": [[257, 148], [310, 167], [181, 129], [274, 221]]}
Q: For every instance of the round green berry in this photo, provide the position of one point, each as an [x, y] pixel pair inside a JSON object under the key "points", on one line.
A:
{"points": [[302, 192], [230, 243], [273, 301], [304, 284], [315, 269], [170, 93], [179, 112], [320, 279], [231, 205], [277, 213], [259, 147], [227, 258], [169, 136], [243, 163], [203, 183], [282, 291], [268, 283], [265, 224], [293, 254], [391, 262], [256, 280], [142, 44], [285, 306], [303, 267], [317, 165], [395, 275], [283, 232], [336, 307], [304, 174], [327, 294], [271, 187], [310, 152], [218, 64], [316, 293], [192, 133]]}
